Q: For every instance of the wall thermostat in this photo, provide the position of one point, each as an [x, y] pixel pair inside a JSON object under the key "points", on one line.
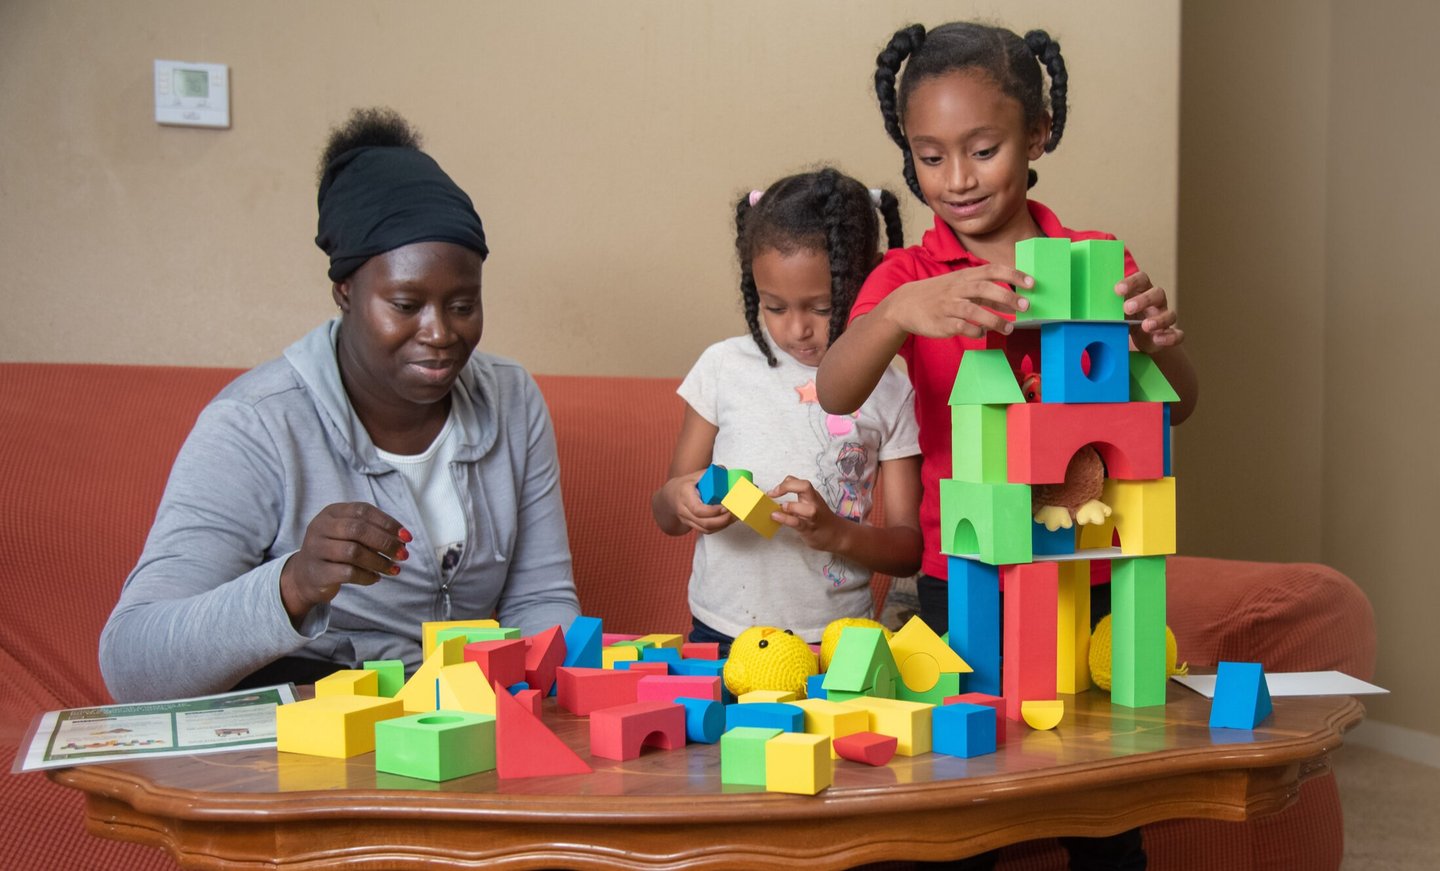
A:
{"points": [[192, 94]]}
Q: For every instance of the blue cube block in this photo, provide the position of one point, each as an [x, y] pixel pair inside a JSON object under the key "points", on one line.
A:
{"points": [[962, 729], [1043, 542], [713, 484], [1063, 347], [768, 715]]}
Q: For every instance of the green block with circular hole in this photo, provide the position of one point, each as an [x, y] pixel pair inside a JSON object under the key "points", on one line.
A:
{"points": [[436, 745]]}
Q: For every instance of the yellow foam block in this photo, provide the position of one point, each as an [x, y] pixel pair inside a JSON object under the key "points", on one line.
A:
{"points": [[1072, 628], [464, 687], [348, 682], [766, 696], [334, 726], [798, 762], [1043, 715], [611, 655], [833, 720], [418, 694], [1144, 513], [908, 722], [922, 656], [752, 506], [429, 630], [671, 641]]}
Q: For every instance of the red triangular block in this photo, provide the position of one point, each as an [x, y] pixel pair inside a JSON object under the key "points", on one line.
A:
{"points": [[525, 747], [545, 653]]}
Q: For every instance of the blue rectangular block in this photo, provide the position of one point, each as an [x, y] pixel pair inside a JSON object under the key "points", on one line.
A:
{"points": [[582, 643], [698, 667], [1043, 542], [660, 654], [962, 729], [974, 608], [1063, 376], [714, 484], [768, 715]]}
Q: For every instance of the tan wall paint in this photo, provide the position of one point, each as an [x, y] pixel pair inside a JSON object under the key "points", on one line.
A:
{"points": [[1307, 252], [604, 145]]}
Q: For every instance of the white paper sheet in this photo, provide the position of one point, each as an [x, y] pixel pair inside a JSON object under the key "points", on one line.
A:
{"points": [[1295, 683]]}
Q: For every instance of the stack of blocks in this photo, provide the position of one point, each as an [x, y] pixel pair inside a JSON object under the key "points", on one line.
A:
{"points": [[1094, 392]]}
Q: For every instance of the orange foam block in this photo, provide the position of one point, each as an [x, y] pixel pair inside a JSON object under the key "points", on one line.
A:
{"points": [[622, 732], [525, 747]]}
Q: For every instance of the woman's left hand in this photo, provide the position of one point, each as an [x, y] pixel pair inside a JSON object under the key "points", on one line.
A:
{"points": [[808, 515], [1151, 305]]}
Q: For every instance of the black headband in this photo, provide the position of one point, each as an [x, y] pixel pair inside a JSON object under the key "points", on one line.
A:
{"points": [[377, 199]]}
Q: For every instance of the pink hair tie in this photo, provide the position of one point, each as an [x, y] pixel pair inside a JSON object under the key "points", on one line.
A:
{"points": [[755, 197]]}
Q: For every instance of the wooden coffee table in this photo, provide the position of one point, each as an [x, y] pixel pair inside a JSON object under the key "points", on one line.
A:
{"points": [[1102, 771]]}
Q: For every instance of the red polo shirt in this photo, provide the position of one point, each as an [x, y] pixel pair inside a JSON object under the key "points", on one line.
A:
{"points": [[934, 362]]}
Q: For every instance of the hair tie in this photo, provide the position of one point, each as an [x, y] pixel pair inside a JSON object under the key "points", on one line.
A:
{"points": [[755, 197], [875, 196]]}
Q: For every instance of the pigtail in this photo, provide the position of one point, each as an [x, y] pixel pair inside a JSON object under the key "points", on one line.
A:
{"points": [[839, 249], [1047, 51], [902, 45], [748, 293], [889, 208]]}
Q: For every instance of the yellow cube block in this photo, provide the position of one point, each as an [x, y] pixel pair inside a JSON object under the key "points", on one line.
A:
{"points": [[429, 630], [833, 720], [908, 722], [798, 762], [348, 682], [464, 687], [1144, 513], [334, 726], [611, 655], [752, 506]]}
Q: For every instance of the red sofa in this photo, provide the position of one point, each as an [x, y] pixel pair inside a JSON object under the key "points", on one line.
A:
{"points": [[85, 451]]}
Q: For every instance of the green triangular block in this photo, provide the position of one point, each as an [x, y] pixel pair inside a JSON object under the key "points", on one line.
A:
{"points": [[862, 664], [985, 379], [1147, 382]]}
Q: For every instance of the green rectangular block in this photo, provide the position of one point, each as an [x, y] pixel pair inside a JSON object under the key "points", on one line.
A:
{"points": [[1137, 632], [473, 634], [1096, 266], [1048, 262], [391, 673], [977, 444], [948, 685], [436, 746], [742, 755]]}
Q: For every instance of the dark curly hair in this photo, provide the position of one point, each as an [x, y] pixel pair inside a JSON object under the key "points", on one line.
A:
{"points": [[824, 211], [377, 126], [1008, 60]]}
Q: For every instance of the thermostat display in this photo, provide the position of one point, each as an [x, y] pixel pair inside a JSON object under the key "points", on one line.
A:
{"points": [[192, 94]]}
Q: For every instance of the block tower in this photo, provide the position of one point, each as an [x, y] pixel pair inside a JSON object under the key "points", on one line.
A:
{"points": [[1089, 456]]}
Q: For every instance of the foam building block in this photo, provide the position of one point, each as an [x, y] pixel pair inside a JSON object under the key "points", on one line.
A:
{"points": [[861, 665], [439, 746], [1042, 714], [525, 747], [704, 719], [1147, 382], [583, 690], [1096, 266], [988, 522], [742, 755], [665, 641], [335, 726], [428, 631], [1031, 593], [1043, 436], [765, 696], [390, 674], [1242, 697], [1072, 627], [947, 685], [464, 687], [502, 661], [609, 639], [1046, 542], [472, 634], [1144, 514], [700, 650], [734, 475], [921, 657], [963, 730], [661, 669], [418, 693], [544, 653], [797, 763], [668, 688], [978, 435], [823, 717], [698, 667], [815, 686], [348, 682], [622, 732], [750, 504], [1063, 349], [1047, 261], [615, 654], [868, 748], [529, 699], [985, 377], [974, 610], [714, 483], [582, 643], [769, 715], [909, 722], [668, 655], [1138, 667], [994, 703]]}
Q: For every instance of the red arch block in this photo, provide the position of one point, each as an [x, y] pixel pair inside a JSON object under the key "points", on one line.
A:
{"points": [[1042, 437]]}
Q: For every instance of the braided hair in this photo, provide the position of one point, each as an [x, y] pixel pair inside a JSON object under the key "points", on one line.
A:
{"points": [[824, 211], [1011, 62]]}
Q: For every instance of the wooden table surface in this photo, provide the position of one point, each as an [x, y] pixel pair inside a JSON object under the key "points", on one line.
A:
{"points": [[1103, 770]]}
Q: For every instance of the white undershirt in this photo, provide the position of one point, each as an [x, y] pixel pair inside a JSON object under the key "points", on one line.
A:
{"points": [[428, 476]]}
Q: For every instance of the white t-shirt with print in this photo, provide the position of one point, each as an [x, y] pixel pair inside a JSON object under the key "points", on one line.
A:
{"points": [[771, 424]]}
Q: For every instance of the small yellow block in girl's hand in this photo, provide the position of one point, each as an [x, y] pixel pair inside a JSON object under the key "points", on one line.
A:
{"points": [[750, 504]]}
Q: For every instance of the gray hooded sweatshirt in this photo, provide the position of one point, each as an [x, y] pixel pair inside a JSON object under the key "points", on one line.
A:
{"points": [[202, 608]]}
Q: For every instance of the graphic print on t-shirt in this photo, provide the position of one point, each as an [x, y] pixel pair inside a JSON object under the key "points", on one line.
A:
{"points": [[841, 468]]}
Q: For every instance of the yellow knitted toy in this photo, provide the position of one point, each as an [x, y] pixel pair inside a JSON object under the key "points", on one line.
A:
{"points": [[1100, 654], [832, 636], [766, 658]]}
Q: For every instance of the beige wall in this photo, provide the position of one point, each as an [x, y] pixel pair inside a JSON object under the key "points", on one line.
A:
{"points": [[1307, 251], [604, 145]]}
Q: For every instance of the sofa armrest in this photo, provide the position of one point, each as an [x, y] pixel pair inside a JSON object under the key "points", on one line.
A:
{"points": [[1286, 616]]}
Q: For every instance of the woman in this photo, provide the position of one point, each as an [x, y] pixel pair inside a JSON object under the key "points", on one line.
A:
{"points": [[378, 475]]}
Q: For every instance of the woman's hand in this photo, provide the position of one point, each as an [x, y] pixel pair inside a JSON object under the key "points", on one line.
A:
{"points": [[1150, 304], [346, 543], [966, 302], [683, 498], [810, 516]]}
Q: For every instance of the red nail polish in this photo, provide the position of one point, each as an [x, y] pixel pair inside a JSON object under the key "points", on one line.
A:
{"points": [[405, 535], [394, 570], [403, 554]]}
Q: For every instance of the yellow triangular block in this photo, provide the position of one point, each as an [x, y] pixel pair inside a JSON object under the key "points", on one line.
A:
{"points": [[418, 694], [464, 687], [922, 656]]}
